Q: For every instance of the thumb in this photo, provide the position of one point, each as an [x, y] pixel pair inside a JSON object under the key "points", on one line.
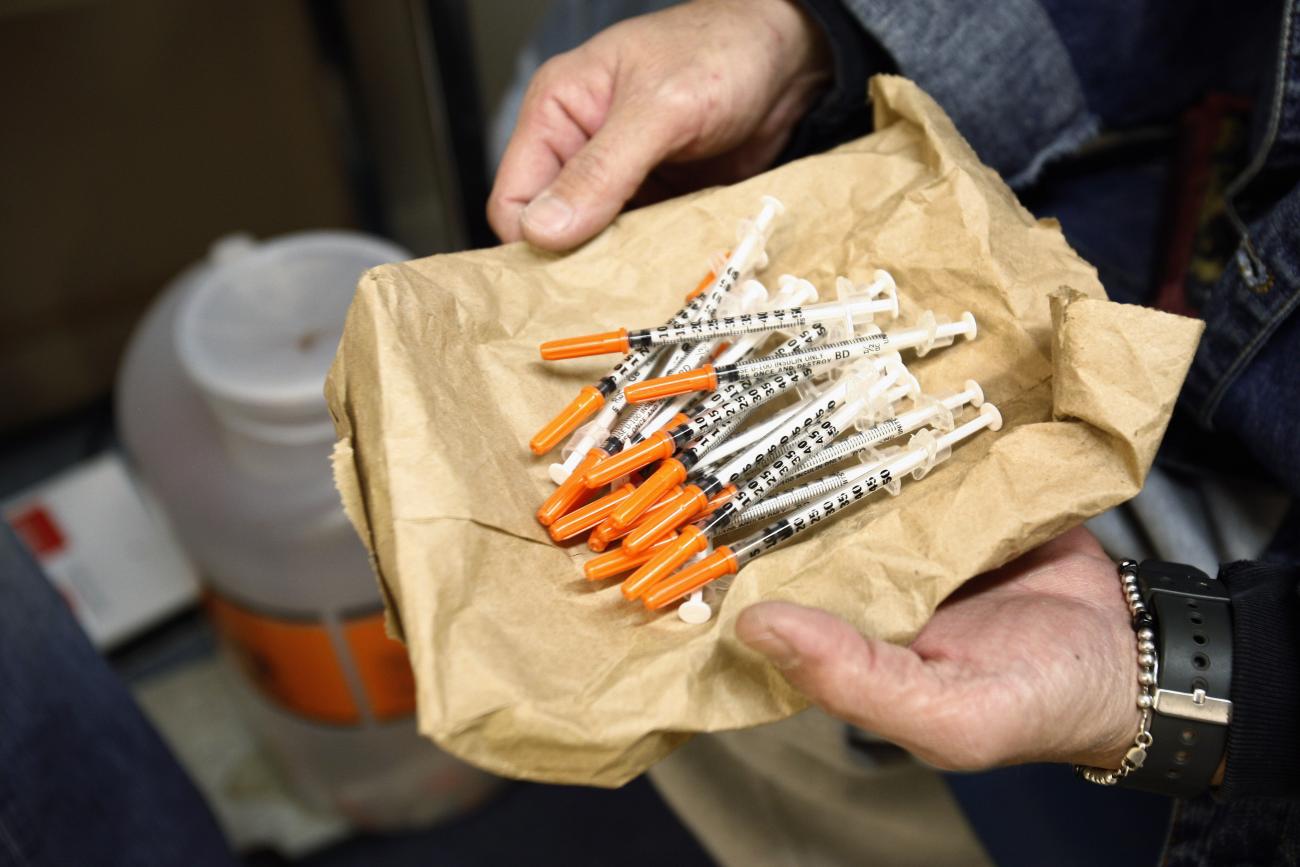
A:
{"points": [[597, 181], [876, 685]]}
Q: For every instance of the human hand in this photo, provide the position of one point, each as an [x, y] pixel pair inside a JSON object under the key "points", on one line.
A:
{"points": [[713, 87], [1035, 661]]}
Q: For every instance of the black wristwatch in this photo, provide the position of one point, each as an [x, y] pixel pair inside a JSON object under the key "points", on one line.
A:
{"points": [[1191, 710]]}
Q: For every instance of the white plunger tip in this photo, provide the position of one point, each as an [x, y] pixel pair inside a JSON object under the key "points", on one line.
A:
{"points": [[774, 204], [883, 276], [752, 294], [972, 388], [559, 473], [968, 319], [990, 412], [694, 611], [805, 293]]}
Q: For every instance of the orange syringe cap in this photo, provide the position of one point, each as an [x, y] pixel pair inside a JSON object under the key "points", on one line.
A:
{"points": [[701, 379], [720, 562], [673, 552], [618, 561], [604, 534], [656, 447], [581, 520], [567, 420], [604, 343], [601, 536], [568, 494], [687, 505], [670, 473]]}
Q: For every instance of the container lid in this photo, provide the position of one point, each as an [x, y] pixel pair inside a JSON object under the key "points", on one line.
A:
{"points": [[259, 330]]}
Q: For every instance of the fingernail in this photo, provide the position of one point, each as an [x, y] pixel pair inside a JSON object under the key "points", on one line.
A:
{"points": [[548, 214], [774, 647]]}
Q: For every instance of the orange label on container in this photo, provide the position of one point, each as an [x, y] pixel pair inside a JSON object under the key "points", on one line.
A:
{"points": [[384, 667], [294, 663]]}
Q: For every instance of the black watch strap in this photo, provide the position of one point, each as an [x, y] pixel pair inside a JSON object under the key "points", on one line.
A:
{"points": [[1191, 712]]}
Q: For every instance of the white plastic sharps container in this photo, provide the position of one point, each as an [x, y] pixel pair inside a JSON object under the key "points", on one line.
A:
{"points": [[220, 403]]}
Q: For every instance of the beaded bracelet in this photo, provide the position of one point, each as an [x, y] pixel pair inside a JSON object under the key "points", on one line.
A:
{"points": [[1146, 658]]}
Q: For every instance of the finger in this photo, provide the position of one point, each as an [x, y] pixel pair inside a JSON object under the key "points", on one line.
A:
{"points": [[556, 119], [529, 164], [598, 180], [879, 686]]}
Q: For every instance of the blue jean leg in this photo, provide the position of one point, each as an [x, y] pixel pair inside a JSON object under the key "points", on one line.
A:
{"points": [[84, 778]]}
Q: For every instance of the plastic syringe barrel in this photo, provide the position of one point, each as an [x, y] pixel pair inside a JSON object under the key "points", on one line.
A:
{"points": [[846, 350], [807, 444], [762, 321], [707, 422], [628, 429], [793, 423], [887, 429], [713, 399], [890, 470], [779, 504], [760, 432], [705, 304], [712, 413]]}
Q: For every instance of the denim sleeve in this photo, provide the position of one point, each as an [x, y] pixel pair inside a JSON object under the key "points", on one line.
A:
{"points": [[842, 113], [1245, 379], [1000, 70]]}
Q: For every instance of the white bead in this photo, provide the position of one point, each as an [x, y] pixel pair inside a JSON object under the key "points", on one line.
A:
{"points": [[1146, 634]]}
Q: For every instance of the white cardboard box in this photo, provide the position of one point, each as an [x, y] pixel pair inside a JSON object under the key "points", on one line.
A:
{"points": [[106, 548]]}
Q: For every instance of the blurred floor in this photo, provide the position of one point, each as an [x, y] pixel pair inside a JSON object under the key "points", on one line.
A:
{"points": [[183, 690]]}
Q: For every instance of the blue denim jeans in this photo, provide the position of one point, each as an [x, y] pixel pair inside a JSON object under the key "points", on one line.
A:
{"points": [[84, 778]]}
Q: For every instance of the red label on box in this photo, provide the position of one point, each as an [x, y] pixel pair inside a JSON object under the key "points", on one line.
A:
{"points": [[39, 533]]}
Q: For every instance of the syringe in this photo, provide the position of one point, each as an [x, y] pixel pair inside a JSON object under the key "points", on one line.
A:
{"points": [[751, 502], [929, 411], [699, 430], [779, 504], [859, 388], [748, 488], [909, 386], [573, 488], [850, 312], [729, 404], [592, 514], [791, 292], [728, 559], [605, 533], [795, 462], [748, 252], [752, 295], [617, 561], [707, 378]]}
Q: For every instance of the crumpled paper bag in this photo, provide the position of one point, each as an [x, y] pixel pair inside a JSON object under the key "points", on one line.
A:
{"points": [[528, 670]]}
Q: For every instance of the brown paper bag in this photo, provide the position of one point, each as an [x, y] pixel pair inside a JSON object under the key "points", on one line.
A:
{"points": [[525, 668]]}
